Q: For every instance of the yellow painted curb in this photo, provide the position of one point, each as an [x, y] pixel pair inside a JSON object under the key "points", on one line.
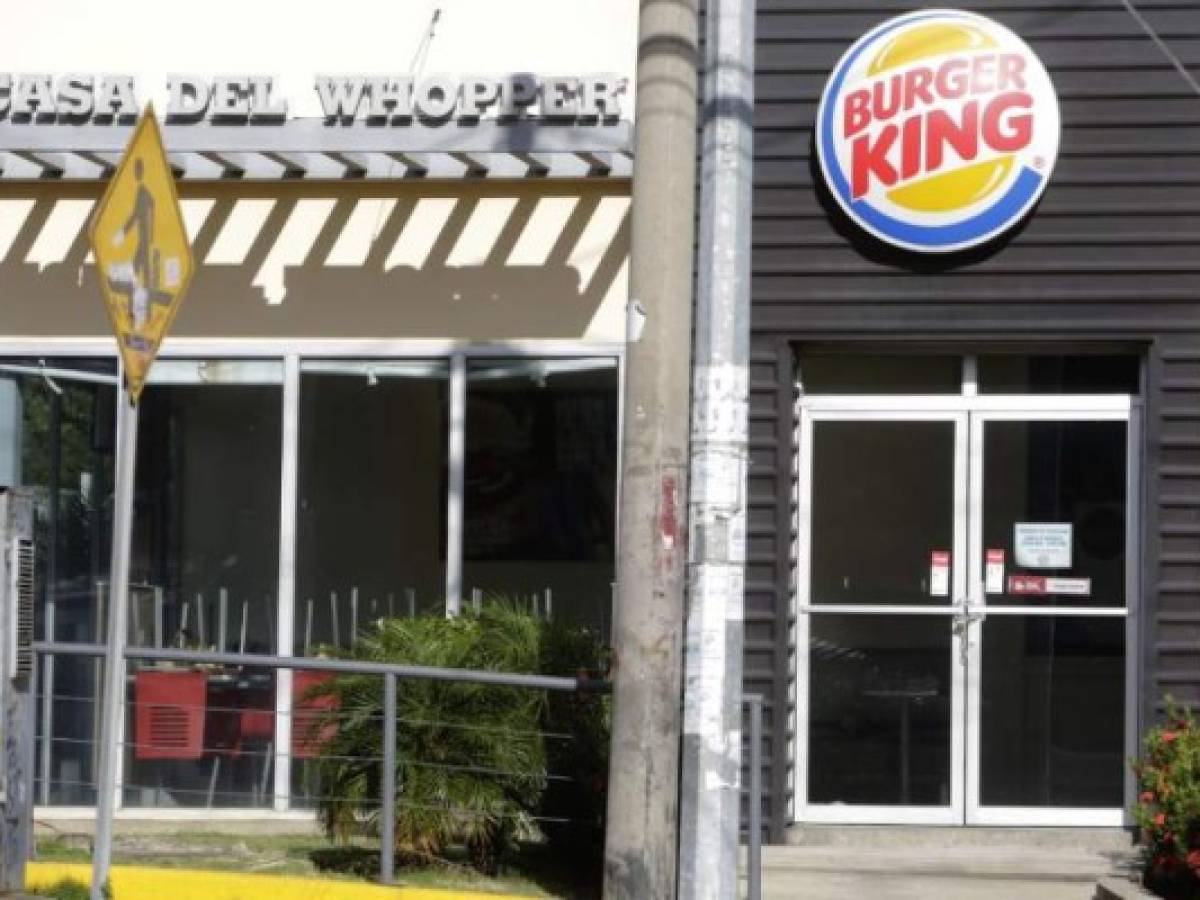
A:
{"points": [[144, 883]]}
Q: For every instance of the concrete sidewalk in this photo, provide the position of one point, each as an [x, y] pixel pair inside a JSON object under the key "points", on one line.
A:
{"points": [[851, 863], [950, 874], [871, 887]]}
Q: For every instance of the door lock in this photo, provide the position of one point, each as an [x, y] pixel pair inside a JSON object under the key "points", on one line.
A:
{"points": [[962, 630]]}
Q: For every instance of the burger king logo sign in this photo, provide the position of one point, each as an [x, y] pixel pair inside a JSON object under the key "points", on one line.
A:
{"points": [[938, 130]]}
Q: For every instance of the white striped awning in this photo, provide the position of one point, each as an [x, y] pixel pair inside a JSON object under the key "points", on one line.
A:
{"points": [[319, 150]]}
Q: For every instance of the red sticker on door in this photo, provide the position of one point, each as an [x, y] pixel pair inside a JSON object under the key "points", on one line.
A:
{"points": [[1033, 585], [993, 578], [1022, 585]]}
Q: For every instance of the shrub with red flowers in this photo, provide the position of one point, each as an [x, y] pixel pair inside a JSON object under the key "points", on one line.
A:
{"points": [[1168, 807]]}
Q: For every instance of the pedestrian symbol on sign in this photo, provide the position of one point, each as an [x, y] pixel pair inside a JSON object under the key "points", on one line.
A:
{"points": [[142, 251], [138, 280]]}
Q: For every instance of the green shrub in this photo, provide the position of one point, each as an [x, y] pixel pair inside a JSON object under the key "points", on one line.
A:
{"points": [[470, 765], [68, 889], [1168, 808], [361, 862], [478, 766]]}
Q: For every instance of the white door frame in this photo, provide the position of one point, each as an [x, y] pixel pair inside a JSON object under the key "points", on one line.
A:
{"points": [[967, 601], [952, 813], [976, 813]]}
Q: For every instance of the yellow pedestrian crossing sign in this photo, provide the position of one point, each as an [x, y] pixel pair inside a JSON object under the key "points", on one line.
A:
{"points": [[143, 258]]}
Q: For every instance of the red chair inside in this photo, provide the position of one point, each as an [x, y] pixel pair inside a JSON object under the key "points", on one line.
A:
{"points": [[309, 734], [169, 709], [239, 717], [256, 725]]}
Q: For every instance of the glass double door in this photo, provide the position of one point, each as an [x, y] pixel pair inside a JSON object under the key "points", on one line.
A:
{"points": [[963, 591]]}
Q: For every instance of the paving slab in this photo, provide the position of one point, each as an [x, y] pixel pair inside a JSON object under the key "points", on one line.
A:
{"points": [[976, 862], [895, 836], [946, 864], [876, 886]]}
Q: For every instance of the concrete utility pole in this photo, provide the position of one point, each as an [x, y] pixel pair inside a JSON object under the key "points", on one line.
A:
{"points": [[641, 848], [712, 711]]}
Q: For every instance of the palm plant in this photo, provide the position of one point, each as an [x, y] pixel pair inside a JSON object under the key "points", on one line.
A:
{"points": [[470, 763]]}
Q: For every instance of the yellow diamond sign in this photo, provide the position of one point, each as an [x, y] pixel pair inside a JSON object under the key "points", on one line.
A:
{"points": [[143, 259]]}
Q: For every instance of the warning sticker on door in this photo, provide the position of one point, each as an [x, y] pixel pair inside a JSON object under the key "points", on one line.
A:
{"points": [[1034, 585], [1043, 545], [939, 573], [993, 580]]}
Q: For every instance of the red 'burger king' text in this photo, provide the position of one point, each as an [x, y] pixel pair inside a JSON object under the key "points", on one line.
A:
{"points": [[996, 116]]}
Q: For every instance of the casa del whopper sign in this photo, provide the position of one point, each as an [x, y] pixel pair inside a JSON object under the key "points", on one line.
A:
{"points": [[86, 99]]}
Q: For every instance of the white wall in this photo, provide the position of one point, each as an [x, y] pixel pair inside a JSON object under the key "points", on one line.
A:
{"points": [[296, 40], [533, 260]]}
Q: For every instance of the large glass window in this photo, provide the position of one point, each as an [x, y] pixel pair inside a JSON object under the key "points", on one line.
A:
{"points": [[56, 443], [880, 716], [206, 516], [204, 573], [879, 373], [1063, 480], [540, 484], [882, 507], [826, 372], [1053, 713], [372, 496], [375, 485], [1108, 373]]}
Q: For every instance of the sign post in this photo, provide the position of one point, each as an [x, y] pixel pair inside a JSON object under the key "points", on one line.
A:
{"points": [[144, 265]]}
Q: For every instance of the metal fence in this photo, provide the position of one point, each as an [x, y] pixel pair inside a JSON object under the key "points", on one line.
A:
{"points": [[214, 750], [267, 724], [753, 705]]}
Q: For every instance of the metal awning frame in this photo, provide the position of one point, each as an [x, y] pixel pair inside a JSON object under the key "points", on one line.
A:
{"points": [[317, 150]]}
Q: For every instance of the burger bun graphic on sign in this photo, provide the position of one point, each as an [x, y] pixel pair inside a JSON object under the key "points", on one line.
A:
{"points": [[938, 131]]}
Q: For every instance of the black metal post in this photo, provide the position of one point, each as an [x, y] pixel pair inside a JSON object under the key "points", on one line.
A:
{"points": [[387, 811], [754, 848]]}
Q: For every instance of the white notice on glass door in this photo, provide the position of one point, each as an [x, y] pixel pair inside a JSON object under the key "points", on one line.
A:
{"points": [[993, 579], [939, 573], [1043, 545]]}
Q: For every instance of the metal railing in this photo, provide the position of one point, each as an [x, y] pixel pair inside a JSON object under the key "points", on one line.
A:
{"points": [[390, 674], [753, 705]]}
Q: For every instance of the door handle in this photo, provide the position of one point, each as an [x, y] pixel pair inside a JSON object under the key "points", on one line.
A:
{"points": [[962, 630]]}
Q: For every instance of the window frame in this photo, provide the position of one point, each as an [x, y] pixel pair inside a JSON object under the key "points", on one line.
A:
{"points": [[291, 353]]}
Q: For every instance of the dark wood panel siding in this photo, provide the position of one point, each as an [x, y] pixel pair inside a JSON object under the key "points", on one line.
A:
{"points": [[1174, 655], [1111, 255], [768, 552]]}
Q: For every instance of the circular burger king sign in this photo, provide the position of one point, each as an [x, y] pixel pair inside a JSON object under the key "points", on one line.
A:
{"points": [[938, 130]]}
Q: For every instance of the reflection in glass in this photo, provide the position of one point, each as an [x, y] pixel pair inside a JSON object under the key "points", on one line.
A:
{"points": [[206, 553], [879, 710], [1053, 712], [1059, 472], [372, 496], [540, 494], [879, 373], [1052, 374], [882, 504], [371, 505], [57, 418]]}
